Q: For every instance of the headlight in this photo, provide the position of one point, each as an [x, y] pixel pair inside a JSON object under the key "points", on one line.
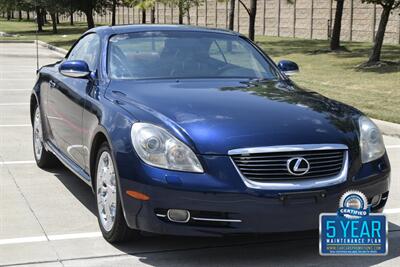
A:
{"points": [[371, 141], [158, 148]]}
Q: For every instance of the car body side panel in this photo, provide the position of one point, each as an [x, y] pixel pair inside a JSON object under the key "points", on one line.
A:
{"points": [[65, 102]]}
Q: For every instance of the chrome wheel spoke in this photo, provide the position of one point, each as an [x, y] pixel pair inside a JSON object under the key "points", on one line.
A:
{"points": [[106, 191], [37, 135]]}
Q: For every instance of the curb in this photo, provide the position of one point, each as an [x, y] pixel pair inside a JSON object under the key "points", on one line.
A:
{"points": [[388, 128], [41, 43], [52, 47], [16, 41]]}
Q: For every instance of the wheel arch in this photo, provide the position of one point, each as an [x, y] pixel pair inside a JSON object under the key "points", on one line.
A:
{"points": [[101, 135], [99, 138], [33, 104]]}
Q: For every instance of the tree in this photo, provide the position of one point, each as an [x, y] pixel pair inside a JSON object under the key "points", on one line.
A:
{"points": [[8, 6], [335, 39], [53, 7], [183, 6], [71, 12], [251, 11], [39, 18], [113, 11], [144, 5], [87, 8], [252, 18], [231, 14], [388, 6]]}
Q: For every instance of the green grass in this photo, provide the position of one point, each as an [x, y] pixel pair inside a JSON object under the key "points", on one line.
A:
{"points": [[374, 91], [26, 30]]}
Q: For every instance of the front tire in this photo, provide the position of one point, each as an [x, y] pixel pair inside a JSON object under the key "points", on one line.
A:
{"points": [[43, 158], [109, 208]]}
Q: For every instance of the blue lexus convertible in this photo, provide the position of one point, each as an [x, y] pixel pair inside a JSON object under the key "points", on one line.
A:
{"points": [[193, 131]]}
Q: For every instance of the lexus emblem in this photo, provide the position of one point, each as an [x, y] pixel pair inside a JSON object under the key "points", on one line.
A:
{"points": [[298, 166]]}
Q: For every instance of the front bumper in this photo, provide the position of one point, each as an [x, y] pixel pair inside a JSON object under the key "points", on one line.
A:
{"points": [[258, 211]]}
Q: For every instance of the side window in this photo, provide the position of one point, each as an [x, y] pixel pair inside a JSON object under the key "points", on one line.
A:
{"points": [[87, 49]]}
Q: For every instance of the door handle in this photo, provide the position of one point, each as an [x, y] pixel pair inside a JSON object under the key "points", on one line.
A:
{"points": [[52, 84]]}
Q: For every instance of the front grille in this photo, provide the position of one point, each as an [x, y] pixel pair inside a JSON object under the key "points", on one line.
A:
{"points": [[269, 166]]}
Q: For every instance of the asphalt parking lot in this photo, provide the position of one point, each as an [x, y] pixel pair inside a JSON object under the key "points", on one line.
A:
{"points": [[47, 218]]}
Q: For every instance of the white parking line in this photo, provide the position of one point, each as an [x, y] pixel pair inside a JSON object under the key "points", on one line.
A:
{"points": [[42, 238], [19, 71], [393, 146], [22, 240], [391, 211], [17, 162], [74, 236], [15, 125], [15, 90], [17, 79], [13, 104]]}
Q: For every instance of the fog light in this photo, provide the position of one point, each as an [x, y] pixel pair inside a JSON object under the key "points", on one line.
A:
{"points": [[376, 200], [180, 216]]}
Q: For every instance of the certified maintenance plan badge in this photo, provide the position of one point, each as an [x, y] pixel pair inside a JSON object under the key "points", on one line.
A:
{"points": [[353, 230]]}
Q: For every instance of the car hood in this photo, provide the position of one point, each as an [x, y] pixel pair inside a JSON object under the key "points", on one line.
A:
{"points": [[215, 116]]}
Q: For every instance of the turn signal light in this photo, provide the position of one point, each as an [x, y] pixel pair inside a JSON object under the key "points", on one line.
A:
{"points": [[137, 195]]}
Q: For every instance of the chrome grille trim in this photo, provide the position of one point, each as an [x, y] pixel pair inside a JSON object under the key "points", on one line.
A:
{"points": [[216, 220], [316, 181]]}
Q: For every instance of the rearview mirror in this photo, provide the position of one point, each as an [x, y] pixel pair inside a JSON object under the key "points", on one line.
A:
{"points": [[74, 69], [288, 67]]}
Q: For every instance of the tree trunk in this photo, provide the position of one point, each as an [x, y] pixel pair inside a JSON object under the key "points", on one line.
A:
{"points": [[58, 18], [252, 18], [153, 15], [143, 16], [180, 21], [335, 39], [44, 12], [12, 14], [89, 17], [39, 19], [231, 14], [8, 15], [19, 14], [71, 17], [54, 21], [113, 11], [376, 50], [28, 16]]}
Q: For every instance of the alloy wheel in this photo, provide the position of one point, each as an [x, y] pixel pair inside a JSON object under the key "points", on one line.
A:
{"points": [[37, 135], [106, 191]]}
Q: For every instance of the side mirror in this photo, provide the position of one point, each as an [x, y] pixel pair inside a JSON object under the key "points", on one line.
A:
{"points": [[74, 69], [288, 67]]}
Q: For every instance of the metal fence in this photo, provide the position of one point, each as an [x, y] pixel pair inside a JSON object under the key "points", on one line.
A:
{"points": [[311, 19]]}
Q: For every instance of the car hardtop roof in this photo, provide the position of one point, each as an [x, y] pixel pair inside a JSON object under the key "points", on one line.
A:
{"points": [[121, 29]]}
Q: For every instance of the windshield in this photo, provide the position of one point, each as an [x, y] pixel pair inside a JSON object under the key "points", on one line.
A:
{"points": [[177, 55]]}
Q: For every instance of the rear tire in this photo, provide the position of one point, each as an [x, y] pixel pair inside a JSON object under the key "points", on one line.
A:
{"points": [[43, 158], [109, 208]]}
